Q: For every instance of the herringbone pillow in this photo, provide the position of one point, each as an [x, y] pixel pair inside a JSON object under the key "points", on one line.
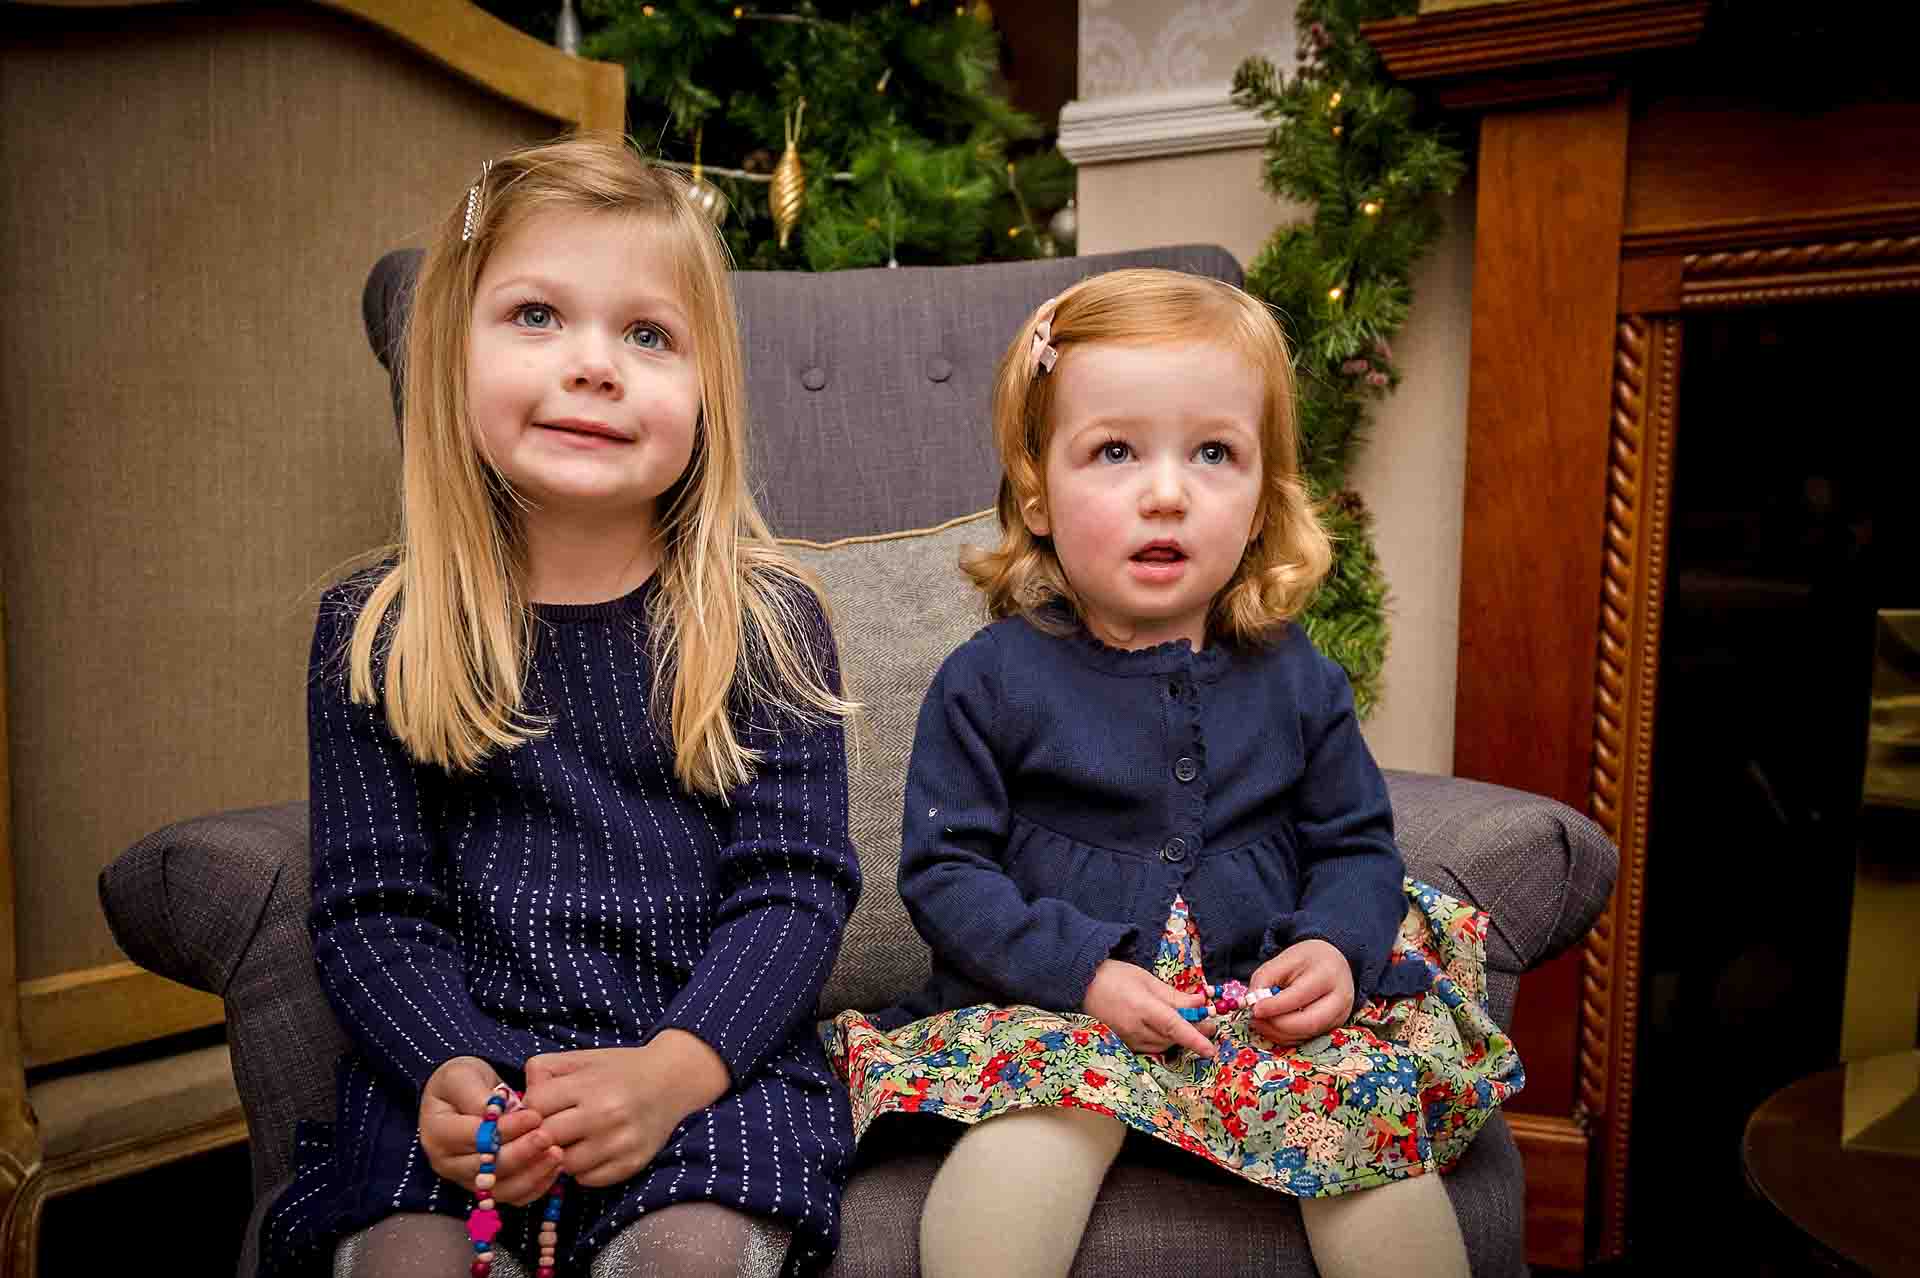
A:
{"points": [[900, 605]]}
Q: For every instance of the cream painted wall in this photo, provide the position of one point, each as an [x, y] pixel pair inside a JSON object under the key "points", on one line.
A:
{"points": [[1412, 470]]}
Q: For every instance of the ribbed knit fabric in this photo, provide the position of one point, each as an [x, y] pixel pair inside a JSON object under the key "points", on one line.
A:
{"points": [[571, 895], [1062, 792]]}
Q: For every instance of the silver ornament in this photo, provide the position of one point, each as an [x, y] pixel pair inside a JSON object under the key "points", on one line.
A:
{"points": [[1065, 226], [566, 32], [709, 199]]}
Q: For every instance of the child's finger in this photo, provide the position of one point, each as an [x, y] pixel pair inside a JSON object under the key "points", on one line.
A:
{"points": [[1180, 1033], [523, 1152], [450, 1132], [523, 1186], [1298, 1026]]}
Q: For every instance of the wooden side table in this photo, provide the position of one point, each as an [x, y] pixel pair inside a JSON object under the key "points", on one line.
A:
{"points": [[1856, 1209]]}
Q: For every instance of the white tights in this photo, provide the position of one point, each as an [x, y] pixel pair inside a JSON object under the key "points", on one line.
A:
{"points": [[1014, 1196]]}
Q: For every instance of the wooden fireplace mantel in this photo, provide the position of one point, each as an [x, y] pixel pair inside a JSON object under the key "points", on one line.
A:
{"points": [[1614, 199]]}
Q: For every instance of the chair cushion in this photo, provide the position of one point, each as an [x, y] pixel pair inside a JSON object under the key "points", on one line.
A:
{"points": [[900, 605], [1162, 1211]]}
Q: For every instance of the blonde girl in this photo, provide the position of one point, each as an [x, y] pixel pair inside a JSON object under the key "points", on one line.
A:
{"points": [[578, 782], [1142, 752]]}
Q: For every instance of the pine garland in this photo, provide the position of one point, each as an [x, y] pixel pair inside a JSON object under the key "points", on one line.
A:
{"points": [[1352, 145]]}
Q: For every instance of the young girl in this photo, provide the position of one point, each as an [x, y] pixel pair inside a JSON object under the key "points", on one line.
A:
{"points": [[1143, 752], [578, 779]]}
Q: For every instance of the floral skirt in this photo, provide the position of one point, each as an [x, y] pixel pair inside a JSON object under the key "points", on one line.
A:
{"points": [[1397, 1092]]}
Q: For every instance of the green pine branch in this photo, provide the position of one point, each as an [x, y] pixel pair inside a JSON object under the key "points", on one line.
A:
{"points": [[1356, 148]]}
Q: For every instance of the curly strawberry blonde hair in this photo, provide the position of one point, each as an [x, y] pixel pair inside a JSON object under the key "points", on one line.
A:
{"points": [[1288, 555]]}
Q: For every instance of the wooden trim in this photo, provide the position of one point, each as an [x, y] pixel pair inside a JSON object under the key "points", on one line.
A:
{"points": [[19, 1138], [1554, 1152], [479, 47], [97, 1009], [1801, 272], [1634, 570], [1865, 222], [1488, 39], [473, 43], [20, 1218]]}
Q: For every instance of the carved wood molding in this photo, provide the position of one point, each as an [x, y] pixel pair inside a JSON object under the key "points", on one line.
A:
{"points": [[1800, 272], [1633, 575], [1499, 38]]}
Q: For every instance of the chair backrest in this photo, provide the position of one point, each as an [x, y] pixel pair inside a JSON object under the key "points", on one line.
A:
{"points": [[869, 389]]}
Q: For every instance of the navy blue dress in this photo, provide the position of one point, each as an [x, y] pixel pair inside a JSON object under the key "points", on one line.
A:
{"points": [[570, 894]]}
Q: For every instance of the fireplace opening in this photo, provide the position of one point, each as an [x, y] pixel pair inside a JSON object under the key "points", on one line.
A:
{"points": [[1793, 526]]}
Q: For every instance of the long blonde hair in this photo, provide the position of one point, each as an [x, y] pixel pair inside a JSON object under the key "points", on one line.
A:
{"points": [[449, 625], [1284, 561]]}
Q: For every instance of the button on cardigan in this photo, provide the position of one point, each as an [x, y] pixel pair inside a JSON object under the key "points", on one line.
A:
{"points": [[1061, 793], [571, 894]]}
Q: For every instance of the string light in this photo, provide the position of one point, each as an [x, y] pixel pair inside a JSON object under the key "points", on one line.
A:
{"points": [[646, 11], [1338, 130], [739, 11], [1335, 293], [1334, 101], [1371, 208]]}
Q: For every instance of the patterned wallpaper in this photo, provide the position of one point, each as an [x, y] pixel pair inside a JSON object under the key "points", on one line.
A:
{"points": [[1150, 46]]}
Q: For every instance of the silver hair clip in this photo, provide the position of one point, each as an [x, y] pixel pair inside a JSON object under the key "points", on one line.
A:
{"points": [[473, 201], [1044, 352]]}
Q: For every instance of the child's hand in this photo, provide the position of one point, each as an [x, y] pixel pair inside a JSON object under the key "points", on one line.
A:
{"points": [[451, 1106], [1140, 1008], [1316, 992], [610, 1110]]}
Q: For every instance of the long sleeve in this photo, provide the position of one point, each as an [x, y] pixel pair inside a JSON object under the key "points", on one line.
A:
{"points": [[789, 879], [1351, 869], [1041, 951], [381, 920]]}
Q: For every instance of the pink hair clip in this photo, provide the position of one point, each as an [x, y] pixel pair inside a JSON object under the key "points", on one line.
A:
{"points": [[1044, 352]]}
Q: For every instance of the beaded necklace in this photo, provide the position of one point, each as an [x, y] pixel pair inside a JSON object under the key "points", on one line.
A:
{"points": [[483, 1222], [1229, 996]]}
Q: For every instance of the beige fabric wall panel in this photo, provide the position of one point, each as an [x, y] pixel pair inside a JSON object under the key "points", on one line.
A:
{"points": [[195, 433]]}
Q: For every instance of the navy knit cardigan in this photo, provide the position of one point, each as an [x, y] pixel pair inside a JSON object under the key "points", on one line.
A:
{"points": [[1062, 792]]}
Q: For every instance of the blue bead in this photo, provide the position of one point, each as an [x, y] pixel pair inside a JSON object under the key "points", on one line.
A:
{"points": [[487, 1139], [553, 1211], [486, 1164], [480, 1246], [1192, 1013]]}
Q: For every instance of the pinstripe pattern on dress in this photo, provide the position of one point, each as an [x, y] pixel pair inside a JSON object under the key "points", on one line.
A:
{"points": [[570, 894]]}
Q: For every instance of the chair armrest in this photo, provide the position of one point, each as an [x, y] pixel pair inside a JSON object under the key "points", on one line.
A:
{"points": [[1541, 870], [186, 900], [220, 903]]}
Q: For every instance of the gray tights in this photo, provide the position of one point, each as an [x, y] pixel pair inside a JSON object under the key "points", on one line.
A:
{"points": [[686, 1240]]}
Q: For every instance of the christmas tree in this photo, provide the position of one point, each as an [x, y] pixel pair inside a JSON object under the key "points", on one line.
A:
{"points": [[834, 135], [1349, 143]]}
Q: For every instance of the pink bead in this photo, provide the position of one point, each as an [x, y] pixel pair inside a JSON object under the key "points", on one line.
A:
{"points": [[483, 1224], [481, 1268], [544, 1271]]}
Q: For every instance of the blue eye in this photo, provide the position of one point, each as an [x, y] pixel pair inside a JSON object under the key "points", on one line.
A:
{"points": [[648, 337], [533, 315], [1214, 453], [1115, 451]]}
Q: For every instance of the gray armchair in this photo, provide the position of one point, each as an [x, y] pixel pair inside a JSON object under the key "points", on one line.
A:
{"points": [[870, 391]]}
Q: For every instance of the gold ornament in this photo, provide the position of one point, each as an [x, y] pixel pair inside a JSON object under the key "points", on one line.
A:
{"points": [[707, 197], [788, 191]]}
